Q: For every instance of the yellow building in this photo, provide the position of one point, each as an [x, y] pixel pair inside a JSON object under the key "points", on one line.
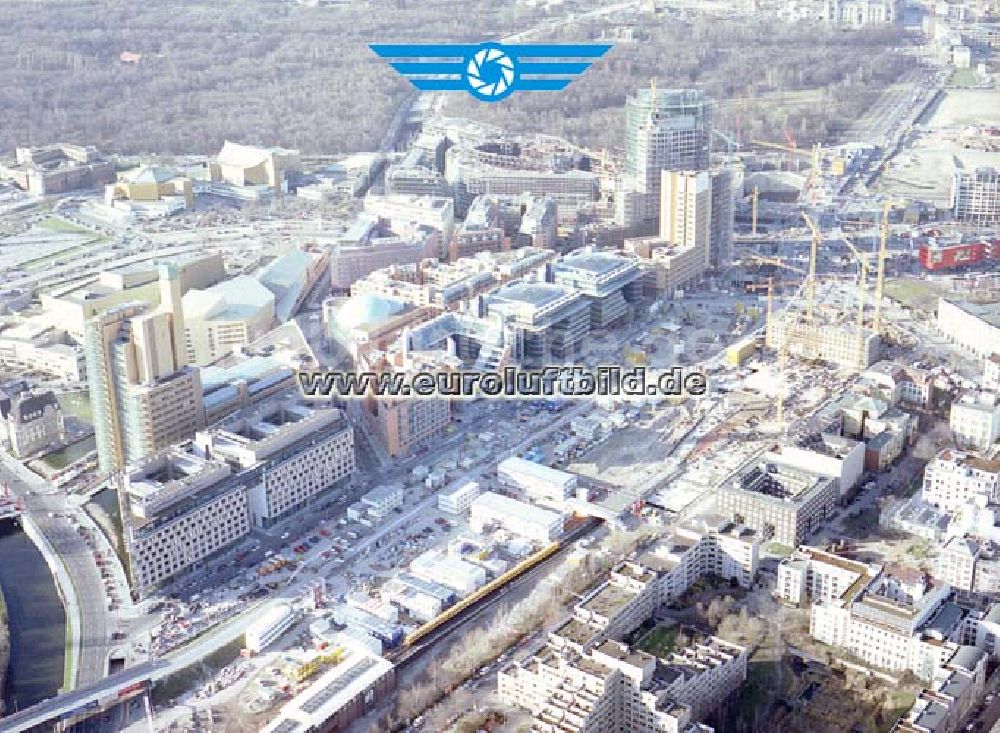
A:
{"points": [[247, 165], [740, 352], [148, 184]]}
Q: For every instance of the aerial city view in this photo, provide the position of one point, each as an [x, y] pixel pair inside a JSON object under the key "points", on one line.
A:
{"points": [[543, 366]]}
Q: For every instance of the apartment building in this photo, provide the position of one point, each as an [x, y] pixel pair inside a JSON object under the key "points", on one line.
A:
{"points": [[897, 621], [145, 397], [370, 244], [402, 211], [969, 564], [814, 575], [835, 342], [829, 454], [958, 686], [35, 345], [288, 453], [975, 420], [862, 13], [991, 373], [704, 545], [482, 230], [783, 503], [954, 479]]}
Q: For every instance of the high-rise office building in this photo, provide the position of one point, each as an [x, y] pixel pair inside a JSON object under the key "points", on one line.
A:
{"points": [[144, 394], [666, 129], [975, 196], [686, 211], [720, 245]]}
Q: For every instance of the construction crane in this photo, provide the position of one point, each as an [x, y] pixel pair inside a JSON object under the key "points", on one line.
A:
{"points": [[813, 249], [730, 140], [862, 294], [756, 195], [883, 253]]}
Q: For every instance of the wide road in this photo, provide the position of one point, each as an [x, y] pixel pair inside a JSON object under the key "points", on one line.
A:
{"points": [[93, 622]]}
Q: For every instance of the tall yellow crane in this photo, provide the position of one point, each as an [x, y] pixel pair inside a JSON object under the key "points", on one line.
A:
{"points": [[862, 295], [883, 253], [813, 249]]}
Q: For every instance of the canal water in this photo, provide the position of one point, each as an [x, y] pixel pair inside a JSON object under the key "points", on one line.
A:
{"points": [[36, 620]]}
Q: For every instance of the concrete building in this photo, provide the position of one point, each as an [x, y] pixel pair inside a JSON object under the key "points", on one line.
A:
{"points": [[686, 210], [482, 230], [342, 694], [178, 510], [225, 317], [609, 282], [975, 420], [539, 221], [958, 686], [253, 168], [58, 168], [538, 484], [286, 452], [370, 244], [955, 479], [30, 422], [840, 458], [34, 345], [667, 129], [975, 196], [405, 212], [782, 503], [835, 342], [897, 384], [862, 13], [516, 517], [291, 278], [549, 320], [144, 395], [458, 499]]}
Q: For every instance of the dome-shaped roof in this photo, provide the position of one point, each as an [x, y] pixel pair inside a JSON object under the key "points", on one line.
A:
{"points": [[363, 310]]}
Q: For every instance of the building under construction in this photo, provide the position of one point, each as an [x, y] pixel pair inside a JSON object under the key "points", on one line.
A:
{"points": [[827, 340]]}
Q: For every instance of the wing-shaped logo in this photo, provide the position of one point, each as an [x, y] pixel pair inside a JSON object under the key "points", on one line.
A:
{"points": [[490, 71]]}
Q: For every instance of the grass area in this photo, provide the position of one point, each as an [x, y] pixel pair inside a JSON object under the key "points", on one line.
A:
{"points": [[77, 404], [660, 641], [965, 78], [861, 522], [64, 456], [70, 657], [920, 550], [180, 682], [58, 224], [900, 702], [780, 550], [918, 294]]}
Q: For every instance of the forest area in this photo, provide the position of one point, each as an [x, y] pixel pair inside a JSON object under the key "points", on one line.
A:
{"points": [[196, 72]]}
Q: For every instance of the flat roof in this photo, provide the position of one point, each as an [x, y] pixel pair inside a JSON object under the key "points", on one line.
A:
{"points": [[535, 470], [514, 509]]}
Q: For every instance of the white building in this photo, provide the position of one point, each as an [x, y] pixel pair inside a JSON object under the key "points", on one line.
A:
{"points": [[970, 564], [31, 422], [975, 195], [269, 628], [955, 479], [457, 499], [828, 454], [972, 326], [991, 373], [453, 572], [811, 574], [383, 499], [975, 420], [538, 483], [515, 516]]}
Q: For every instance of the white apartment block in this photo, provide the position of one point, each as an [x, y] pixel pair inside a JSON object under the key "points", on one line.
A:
{"points": [[811, 574], [182, 539], [969, 564], [954, 479], [890, 624], [955, 690], [975, 420], [975, 195], [613, 688], [840, 458], [705, 545], [294, 451]]}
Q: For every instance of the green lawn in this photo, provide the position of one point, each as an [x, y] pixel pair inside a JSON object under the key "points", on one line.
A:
{"points": [[58, 224], [965, 78], [901, 702], [913, 293], [780, 550], [660, 641]]}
